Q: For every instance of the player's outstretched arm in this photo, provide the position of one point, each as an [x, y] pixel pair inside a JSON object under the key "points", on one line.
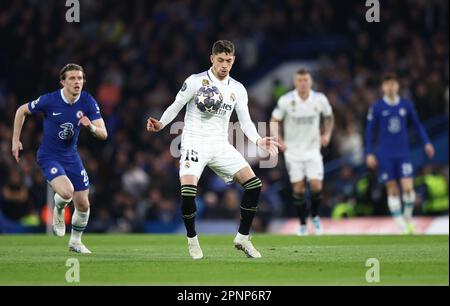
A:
{"points": [[268, 144], [276, 131], [19, 120], [97, 127], [185, 95]]}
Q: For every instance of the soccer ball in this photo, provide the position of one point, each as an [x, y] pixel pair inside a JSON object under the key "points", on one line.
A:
{"points": [[208, 99]]}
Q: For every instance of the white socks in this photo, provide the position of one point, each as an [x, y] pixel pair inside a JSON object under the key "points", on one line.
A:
{"points": [[60, 203], [395, 206], [409, 199], [79, 223]]}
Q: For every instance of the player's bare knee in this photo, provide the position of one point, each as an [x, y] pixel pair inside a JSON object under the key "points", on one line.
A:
{"points": [[67, 193], [298, 188], [408, 187], [392, 190], [316, 187]]}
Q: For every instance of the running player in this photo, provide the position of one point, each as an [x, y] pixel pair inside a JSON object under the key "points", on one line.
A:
{"points": [[66, 111]]}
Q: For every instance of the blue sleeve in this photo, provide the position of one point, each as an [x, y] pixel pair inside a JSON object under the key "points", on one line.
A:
{"points": [[39, 105], [417, 124], [372, 123], [93, 112]]}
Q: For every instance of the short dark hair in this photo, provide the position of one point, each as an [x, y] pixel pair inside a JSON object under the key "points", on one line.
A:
{"points": [[70, 67], [223, 46], [303, 71], [390, 76]]}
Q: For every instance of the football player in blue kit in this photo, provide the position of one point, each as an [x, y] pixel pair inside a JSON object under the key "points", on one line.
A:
{"points": [[391, 116], [66, 111]]}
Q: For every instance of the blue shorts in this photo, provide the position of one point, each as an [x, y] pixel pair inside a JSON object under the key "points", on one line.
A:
{"points": [[72, 168], [396, 168]]}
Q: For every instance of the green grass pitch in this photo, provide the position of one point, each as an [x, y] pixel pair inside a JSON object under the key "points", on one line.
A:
{"points": [[287, 260]]}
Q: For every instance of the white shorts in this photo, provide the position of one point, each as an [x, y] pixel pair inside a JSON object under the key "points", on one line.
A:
{"points": [[312, 169], [222, 158]]}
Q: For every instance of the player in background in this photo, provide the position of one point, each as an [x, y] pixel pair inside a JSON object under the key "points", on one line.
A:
{"points": [[205, 143], [66, 111], [390, 117], [301, 112]]}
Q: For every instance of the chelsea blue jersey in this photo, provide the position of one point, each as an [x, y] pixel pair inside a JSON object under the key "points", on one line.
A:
{"points": [[61, 119], [391, 121]]}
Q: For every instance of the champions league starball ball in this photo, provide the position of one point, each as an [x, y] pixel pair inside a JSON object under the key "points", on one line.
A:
{"points": [[208, 99]]}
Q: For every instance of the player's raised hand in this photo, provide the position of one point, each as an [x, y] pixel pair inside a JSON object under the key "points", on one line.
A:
{"points": [[154, 125], [269, 144], [16, 148], [429, 150], [371, 161], [84, 121]]}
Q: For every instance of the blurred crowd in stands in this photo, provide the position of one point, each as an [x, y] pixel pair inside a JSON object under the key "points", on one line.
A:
{"points": [[137, 54]]}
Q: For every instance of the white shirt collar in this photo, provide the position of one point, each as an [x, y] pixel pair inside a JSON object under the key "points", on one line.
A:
{"points": [[65, 100], [211, 75], [299, 99], [390, 102]]}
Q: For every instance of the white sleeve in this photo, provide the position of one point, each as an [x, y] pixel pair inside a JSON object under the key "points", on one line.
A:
{"points": [[245, 121], [185, 95], [327, 110], [279, 113]]}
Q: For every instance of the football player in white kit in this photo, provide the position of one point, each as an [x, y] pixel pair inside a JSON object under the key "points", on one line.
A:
{"points": [[205, 143], [301, 111]]}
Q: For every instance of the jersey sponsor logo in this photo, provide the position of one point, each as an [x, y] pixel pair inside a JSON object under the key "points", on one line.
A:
{"points": [[35, 102], [305, 120], [80, 114], [395, 125], [67, 132], [223, 110], [56, 114]]}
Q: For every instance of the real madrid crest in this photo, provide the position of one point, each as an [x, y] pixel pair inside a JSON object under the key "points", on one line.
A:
{"points": [[205, 82], [233, 97], [80, 114], [293, 105]]}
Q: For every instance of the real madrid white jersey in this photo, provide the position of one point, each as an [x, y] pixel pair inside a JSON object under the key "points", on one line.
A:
{"points": [[301, 122], [213, 127]]}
